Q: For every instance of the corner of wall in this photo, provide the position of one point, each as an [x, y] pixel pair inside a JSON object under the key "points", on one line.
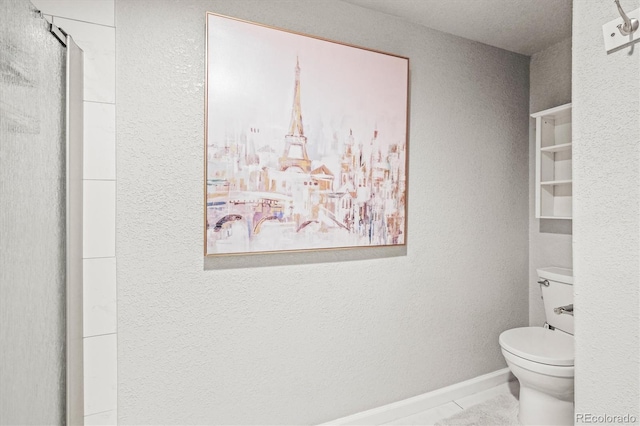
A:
{"points": [[550, 240]]}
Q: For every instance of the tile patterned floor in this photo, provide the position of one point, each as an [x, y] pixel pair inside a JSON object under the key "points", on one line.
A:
{"points": [[429, 417]]}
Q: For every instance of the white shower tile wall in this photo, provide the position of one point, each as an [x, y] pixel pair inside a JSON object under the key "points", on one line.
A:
{"points": [[91, 23]]}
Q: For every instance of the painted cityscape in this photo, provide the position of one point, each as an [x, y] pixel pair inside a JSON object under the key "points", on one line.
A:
{"points": [[306, 142]]}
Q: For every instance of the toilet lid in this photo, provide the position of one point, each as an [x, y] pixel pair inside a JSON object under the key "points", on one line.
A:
{"points": [[552, 347]]}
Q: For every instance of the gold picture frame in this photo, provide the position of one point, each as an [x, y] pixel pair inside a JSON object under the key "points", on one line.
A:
{"points": [[279, 180]]}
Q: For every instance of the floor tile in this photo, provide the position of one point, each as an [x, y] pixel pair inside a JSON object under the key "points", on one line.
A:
{"points": [[429, 417], [511, 388]]}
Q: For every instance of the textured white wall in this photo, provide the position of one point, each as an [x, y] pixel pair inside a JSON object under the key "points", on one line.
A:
{"points": [[606, 125], [549, 239], [309, 337]]}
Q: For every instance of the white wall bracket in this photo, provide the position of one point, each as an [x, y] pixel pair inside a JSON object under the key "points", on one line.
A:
{"points": [[613, 38]]}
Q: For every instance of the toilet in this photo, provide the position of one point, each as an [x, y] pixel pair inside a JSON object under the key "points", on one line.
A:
{"points": [[542, 358]]}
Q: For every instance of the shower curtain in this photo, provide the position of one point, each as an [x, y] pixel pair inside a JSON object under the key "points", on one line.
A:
{"points": [[39, 222]]}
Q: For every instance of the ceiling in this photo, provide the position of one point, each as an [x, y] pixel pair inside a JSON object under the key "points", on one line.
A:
{"points": [[521, 26]]}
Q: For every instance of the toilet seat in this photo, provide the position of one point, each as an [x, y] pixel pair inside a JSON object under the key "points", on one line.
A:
{"points": [[539, 345], [514, 362]]}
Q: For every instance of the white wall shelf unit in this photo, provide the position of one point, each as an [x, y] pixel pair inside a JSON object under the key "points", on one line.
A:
{"points": [[553, 163]]}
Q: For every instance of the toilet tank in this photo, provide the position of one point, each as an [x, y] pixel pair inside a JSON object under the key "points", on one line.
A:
{"points": [[558, 293]]}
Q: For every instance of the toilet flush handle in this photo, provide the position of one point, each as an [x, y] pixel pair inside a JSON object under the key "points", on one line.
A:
{"points": [[544, 282], [568, 309]]}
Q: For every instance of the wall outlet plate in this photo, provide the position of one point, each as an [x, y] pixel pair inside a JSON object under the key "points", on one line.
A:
{"points": [[613, 40]]}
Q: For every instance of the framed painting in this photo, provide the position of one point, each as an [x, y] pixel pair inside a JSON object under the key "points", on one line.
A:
{"points": [[305, 142]]}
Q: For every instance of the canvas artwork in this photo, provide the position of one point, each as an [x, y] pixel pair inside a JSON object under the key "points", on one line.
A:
{"points": [[306, 142]]}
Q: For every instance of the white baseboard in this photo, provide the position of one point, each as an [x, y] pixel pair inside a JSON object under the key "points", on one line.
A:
{"points": [[426, 401]]}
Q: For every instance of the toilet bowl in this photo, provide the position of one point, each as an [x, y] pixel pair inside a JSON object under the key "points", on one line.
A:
{"points": [[542, 358], [542, 361]]}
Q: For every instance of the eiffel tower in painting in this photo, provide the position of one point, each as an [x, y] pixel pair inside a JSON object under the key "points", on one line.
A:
{"points": [[295, 150]]}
